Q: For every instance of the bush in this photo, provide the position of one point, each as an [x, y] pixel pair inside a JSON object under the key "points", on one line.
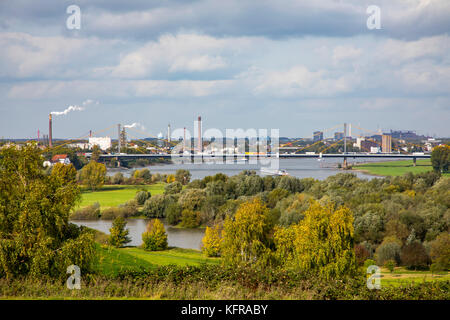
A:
{"points": [[414, 256], [155, 237], [173, 213], [118, 234], [390, 265], [388, 250], [126, 210], [91, 212], [142, 196], [368, 263], [190, 219], [211, 241], [173, 188]]}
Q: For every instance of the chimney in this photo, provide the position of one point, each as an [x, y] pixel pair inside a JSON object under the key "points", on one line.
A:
{"points": [[168, 133], [200, 146], [50, 135], [184, 139]]}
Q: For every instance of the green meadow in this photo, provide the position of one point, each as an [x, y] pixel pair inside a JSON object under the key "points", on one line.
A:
{"points": [[114, 195], [396, 168]]}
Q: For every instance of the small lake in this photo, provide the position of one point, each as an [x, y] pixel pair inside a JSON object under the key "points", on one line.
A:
{"points": [[177, 237]]}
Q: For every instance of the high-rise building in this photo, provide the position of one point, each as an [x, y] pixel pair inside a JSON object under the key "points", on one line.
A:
{"points": [[386, 143], [317, 136], [338, 136]]}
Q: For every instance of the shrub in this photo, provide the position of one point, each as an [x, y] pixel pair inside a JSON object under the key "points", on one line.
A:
{"points": [[173, 213], [155, 237], [368, 263], [211, 241], [390, 265], [183, 176], [414, 256], [173, 188], [142, 196], [440, 251], [118, 234], [91, 212], [118, 178], [190, 219], [388, 250]]}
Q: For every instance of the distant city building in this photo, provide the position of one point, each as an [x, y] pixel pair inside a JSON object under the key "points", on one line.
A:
{"points": [[386, 143], [317, 136], [103, 143], [338, 136]]}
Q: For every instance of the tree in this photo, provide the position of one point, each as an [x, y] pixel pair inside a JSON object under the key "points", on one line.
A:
{"points": [[170, 178], [118, 234], [246, 238], [440, 251], [324, 241], [95, 156], [390, 265], [155, 237], [192, 199], [93, 175], [190, 218], [173, 188], [440, 158], [155, 206], [142, 196], [173, 213], [36, 237], [389, 249], [414, 256], [211, 241], [183, 176]]}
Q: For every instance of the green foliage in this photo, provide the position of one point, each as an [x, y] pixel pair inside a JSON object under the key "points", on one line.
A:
{"points": [[173, 213], [155, 237], [192, 199], [91, 212], [93, 175], [142, 196], [440, 252], [368, 263], [389, 249], [182, 176], [212, 241], [190, 218], [440, 158], [390, 265], [36, 237], [156, 205], [173, 188], [118, 234], [125, 210]]}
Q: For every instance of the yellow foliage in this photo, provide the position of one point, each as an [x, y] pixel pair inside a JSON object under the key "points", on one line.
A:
{"points": [[170, 178], [212, 241]]}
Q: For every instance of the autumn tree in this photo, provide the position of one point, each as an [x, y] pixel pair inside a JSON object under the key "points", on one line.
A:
{"points": [[211, 241], [93, 175], [440, 251], [118, 233], [183, 176], [246, 237], [155, 237], [322, 242]]}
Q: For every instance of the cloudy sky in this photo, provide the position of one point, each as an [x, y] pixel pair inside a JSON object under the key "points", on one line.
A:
{"points": [[295, 65]]}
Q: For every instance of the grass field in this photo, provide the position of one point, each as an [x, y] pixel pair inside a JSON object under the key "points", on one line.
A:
{"points": [[112, 260], [113, 195], [396, 168], [403, 276]]}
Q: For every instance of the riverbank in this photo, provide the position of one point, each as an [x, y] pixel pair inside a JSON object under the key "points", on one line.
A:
{"points": [[395, 168]]}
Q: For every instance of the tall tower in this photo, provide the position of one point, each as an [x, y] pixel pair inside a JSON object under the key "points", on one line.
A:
{"points": [[184, 139], [200, 142], [118, 138], [168, 132], [50, 134]]}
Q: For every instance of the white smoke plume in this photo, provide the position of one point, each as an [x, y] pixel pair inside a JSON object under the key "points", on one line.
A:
{"points": [[74, 108], [135, 125]]}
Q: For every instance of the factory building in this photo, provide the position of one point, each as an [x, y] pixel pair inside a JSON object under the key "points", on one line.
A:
{"points": [[104, 143]]}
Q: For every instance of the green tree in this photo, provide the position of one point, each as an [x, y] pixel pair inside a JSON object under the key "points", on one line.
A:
{"points": [[95, 156], [414, 256], [440, 158], [212, 241], [440, 251], [246, 237], [36, 237], [389, 249], [173, 213], [183, 176], [190, 218], [93, 175], [390, 265], [118, 233], [155, 206], [155, 237], [142, 196], [173, 188]]}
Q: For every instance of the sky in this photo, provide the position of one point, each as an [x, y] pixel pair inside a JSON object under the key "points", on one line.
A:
{"points": [[293, 65]]}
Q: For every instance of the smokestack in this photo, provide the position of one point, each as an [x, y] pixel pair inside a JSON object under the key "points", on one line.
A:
{"points": [[200, 143], [50, 134], [168, 133], [90, 133], [184, 138], [39, 135], [119, 140]]}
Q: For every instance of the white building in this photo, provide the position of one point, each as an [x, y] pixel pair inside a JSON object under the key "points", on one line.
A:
{"points": [[103, 142]]}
